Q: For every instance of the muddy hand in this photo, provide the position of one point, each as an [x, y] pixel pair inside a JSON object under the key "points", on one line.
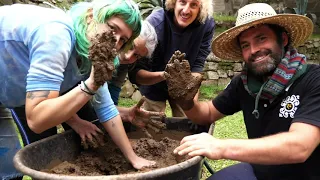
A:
{"points": [[86, 130], [182, 84], [102, 53], [157, 127], [94, 141], [143, 119]]}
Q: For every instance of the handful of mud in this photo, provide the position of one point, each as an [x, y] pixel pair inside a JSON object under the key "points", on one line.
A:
{"points": [[102, 53], [109, 160]]}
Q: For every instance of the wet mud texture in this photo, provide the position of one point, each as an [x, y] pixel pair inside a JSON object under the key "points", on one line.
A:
{"points": [[109, 160], [97, 141], [182, 85], [102, 53]]}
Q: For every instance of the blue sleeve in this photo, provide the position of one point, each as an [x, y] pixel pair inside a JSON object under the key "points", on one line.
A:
{"points": [[103, 104], [205, 47], [50, 47]]}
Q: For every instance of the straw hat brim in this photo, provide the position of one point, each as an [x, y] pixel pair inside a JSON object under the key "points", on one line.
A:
{"points": [[299, 28]]}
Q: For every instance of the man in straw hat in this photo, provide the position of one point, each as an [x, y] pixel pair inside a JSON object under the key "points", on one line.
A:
{"points": [[278, 94]]}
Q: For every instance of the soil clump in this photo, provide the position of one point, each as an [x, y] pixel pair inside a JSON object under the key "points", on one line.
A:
{"points": [[109, 160], [102, 53]]}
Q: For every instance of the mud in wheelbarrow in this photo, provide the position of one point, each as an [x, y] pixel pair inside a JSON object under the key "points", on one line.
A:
{"points": [[66, 147]]}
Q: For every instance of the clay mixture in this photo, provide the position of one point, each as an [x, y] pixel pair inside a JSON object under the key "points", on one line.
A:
{"points": [[102, 53], [181, 83], [108, 159]]}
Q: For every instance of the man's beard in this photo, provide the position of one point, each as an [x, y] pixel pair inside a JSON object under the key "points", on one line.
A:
{"points": [[265, 67]]}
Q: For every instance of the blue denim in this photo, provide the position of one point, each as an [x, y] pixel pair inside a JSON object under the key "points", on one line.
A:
{"points": [[9, 145], [241, 171]]}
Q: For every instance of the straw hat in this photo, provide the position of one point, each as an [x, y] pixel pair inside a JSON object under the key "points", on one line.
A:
{"points": [[299, 29]]}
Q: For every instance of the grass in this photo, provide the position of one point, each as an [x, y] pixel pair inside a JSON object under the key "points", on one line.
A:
{"points": [[228, 127], [222, 17], [315, 36]]}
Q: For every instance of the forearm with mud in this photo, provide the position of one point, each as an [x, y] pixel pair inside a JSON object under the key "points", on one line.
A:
{"points": [[115, 129], [144, 77], [51, 112], [282, 148]]}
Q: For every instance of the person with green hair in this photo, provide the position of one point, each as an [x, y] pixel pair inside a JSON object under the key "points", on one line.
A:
{"points": [[44, 55]]}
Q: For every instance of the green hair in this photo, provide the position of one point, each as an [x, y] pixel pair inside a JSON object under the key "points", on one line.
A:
{"points": [[102, 11]]}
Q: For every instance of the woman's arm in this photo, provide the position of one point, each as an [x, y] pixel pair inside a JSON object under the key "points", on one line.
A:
{"points": [[46, 109]]}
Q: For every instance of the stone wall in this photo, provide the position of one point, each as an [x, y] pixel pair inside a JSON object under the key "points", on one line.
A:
{"points": [[311, 49]]}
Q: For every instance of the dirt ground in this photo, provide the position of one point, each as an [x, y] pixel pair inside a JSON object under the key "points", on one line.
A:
{"points": [[108, 159]]}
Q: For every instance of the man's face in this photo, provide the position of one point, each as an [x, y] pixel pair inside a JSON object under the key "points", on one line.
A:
{"points": [[137, 51], [185, 12], [260, 49]]}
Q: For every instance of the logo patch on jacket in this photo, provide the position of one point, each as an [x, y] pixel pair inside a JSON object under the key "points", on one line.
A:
{"points": [[289, 106]]}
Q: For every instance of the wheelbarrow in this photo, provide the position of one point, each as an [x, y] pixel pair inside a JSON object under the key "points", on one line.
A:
{"points": [[66, 147]]}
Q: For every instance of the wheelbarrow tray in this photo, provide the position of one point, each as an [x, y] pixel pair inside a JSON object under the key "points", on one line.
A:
{"points": [[66, 146]]}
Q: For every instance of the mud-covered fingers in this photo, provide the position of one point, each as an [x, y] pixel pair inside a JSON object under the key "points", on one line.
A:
{"points": [[158, 116], [99, 139], [83, 141], [185, 65], [147, 116], [145, 131], [140, 122], [153, 114], [157, 124], [155, 129], [84, 144], [92, 140], [141, 101], [171, 59], [177, 65], [181, 56], [166, 75]]}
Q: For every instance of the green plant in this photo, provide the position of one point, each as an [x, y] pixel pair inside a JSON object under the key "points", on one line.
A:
{"points": [[222, 17], [315, 36], [126, 102], [147, 6], [208, 92]]}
